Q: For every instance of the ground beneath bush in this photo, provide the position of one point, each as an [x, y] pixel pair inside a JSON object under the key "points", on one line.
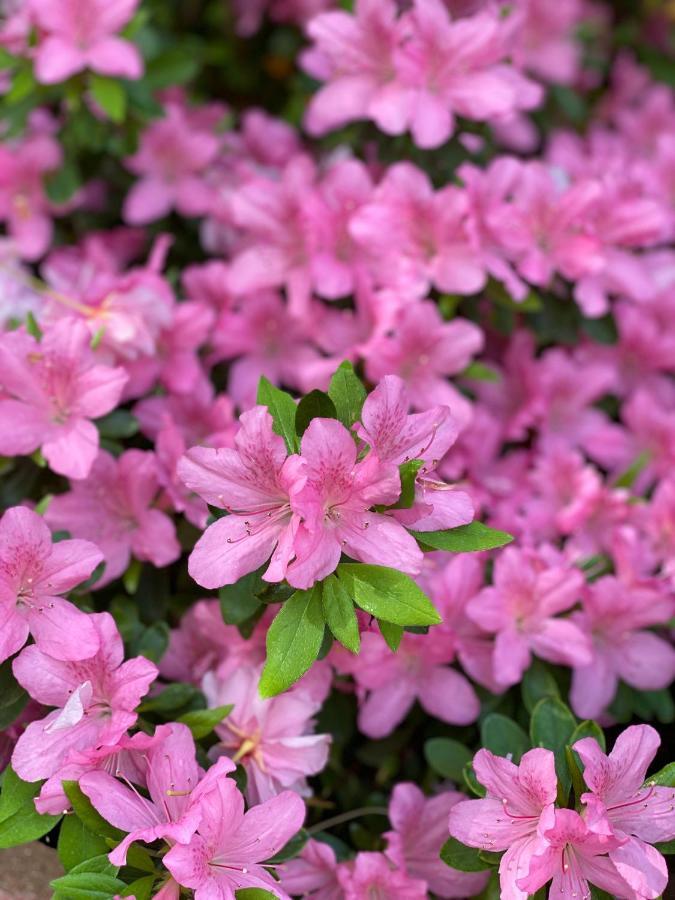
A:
{"points": [[25, 872]]}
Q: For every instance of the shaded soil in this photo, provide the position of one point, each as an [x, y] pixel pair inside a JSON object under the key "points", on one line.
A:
{"points": [[25, 872]]}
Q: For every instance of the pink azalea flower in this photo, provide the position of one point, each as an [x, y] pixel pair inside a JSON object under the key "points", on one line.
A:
{"points": [[200, 416], [616, 616], [518, 805], [23, 203], [126, 758], [395, 436], [644, 814], [169, 450], [255, 483], [423, 350], [419, 832], [273, 739], [172, 812], [419, 237], [227, 851], [372, 875], [314, 872], [335, 507], [113, 506], [456, 68], [52, 389], [76, 37], [418, 670], [170, 163], [354, 54], [573, 856], [95, 698], [33, 572], [521, 610]]}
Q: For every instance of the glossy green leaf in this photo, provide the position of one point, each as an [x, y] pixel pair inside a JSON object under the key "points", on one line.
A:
{"points": [[387, 594], [315, 405], [282, 407], [391, 633], [293, 641], [76, 843], [340, 615], [202, 721], [347, 393], [408, 473], [461, 857], [464, 538], [503, 737], [109, 94], [447, 757]]}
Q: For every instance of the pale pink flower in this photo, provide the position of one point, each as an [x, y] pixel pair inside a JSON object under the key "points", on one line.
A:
{"points": [[521, 610], [76, 36], [545, 41], [419, 831], [52, 389], [255, 483], [200, 416], [272, 739], [314, 872], [170, 165], [423, 350], [95, 698], [643, 813], [23, 203], [389, 683], [519, 803], [230, 845], [335, 505], [174, 782], [418, 237], [169, 450], [354, 54], [397, 437], [373, 875], [616, 617], [571, 856], [33, 572], [113, 506]]}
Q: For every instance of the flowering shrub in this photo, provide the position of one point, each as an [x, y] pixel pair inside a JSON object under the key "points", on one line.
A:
{"points": [[308, 309]]}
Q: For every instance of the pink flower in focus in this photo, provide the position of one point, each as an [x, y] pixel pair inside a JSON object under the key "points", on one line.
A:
{"points": [[95, 698], [113, 506], [172, 812], [52, 389], [272, 739], [521, 610], [572, 856], [419, 831], [372, 875], [227, 851], [33, 572], [23, 203], [255, 483], [391, 682], [170, 163], [423, 350], [643, 813], [518, 804], [335, 504], [76, 36], [616, 616]]}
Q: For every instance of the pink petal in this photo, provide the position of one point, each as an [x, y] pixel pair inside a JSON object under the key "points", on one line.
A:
{"points": [[62, 630], [56, 60], [227, 551], [72, 448], [115, 56], [448, 696]]}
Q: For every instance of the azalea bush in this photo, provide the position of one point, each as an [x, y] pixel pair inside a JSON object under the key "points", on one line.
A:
{"points": [[337, 434]]}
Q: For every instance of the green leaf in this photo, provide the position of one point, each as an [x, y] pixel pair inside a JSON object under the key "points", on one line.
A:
{"points": [[6, 59], [591, 729], [408, 473], [77, 844], [254, 894], [391, 633], [89, 817], [472, 782], [478, 371], [293, 641], [32, 326], [665, 777], [340, 615], [447, 757], [141, 889], [238, 602], [537, 683], [177, 65], [464, 538], [291, 849], [20, 822], [13, 698], [62, 184], [153, 642], [551, 726], [282, 408], [666, 847], [347, 393], [461, 857], [110, 96], [202, 721], [627, 479], [23, 84], [503, 737], [118, 424], [316, 405], [86, 886], [174, 696], [387, 594]]}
